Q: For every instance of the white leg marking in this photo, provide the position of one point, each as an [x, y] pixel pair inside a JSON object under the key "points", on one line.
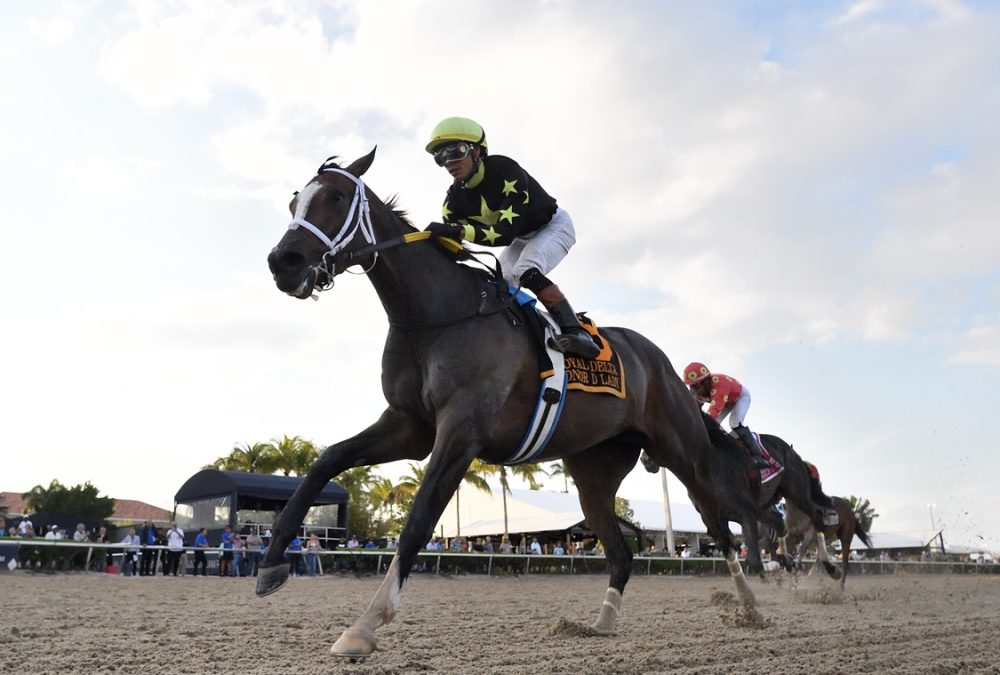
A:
{"points": [[824, 555]]}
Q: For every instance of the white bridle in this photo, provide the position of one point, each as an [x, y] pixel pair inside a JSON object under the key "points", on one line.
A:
{"points": [[348, 230]]}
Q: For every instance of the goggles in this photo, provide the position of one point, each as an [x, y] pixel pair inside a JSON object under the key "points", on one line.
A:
{"points": [[452, 153]]}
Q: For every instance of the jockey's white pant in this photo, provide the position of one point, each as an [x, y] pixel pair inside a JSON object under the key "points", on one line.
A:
{"points": [[736, 410], [542, 249]]}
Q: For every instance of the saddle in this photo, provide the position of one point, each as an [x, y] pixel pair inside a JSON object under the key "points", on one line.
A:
{"points": [[559, 372], [773, 468]]}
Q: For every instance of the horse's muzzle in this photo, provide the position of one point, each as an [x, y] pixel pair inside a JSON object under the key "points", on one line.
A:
{"points": [[291, 273]]}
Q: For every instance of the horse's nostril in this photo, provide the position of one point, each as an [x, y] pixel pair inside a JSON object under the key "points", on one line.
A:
{"points": [[287, 261]]}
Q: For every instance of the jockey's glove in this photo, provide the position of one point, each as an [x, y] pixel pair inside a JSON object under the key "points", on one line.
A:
{"points": [[450, 230]]}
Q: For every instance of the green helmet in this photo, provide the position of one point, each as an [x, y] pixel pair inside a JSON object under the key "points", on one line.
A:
{"points": [[453, 129]]}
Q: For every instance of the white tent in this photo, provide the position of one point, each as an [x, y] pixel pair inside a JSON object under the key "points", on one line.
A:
{"points": [[481, 513]]}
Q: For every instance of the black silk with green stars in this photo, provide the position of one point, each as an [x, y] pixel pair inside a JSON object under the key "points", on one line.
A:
{"points": [[498, 203]]}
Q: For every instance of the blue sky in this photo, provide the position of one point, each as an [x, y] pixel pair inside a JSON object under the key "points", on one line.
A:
{"points": [[802, 196]]}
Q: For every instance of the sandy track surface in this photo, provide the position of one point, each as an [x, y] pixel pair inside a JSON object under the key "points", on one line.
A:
{"points": [[93, 623]]}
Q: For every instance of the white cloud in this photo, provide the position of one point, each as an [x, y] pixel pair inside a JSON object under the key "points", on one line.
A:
{"points": [[53, 31]]}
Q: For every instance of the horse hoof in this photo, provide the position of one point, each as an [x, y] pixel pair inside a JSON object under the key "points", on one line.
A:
{"points": [[271, 579], [832, 570], [354, 644]]}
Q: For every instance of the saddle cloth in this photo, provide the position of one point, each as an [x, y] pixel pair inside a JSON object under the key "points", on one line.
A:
{"points": [[558, 372], [604, 374], [773, 468]]}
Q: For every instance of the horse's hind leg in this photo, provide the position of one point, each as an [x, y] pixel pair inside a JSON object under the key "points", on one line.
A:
{"points": [[597, 472], [394, 436]]}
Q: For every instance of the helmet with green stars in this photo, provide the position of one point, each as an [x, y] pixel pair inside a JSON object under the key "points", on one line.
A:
{"points": [[453, 129]]}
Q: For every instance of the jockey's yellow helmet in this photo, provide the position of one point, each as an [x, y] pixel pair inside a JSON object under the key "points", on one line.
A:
{"points": [[452, 129], [695, 373]]}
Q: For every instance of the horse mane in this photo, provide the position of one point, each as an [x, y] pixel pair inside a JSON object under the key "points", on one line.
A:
{"points": [[718, 436], [391, 204]]}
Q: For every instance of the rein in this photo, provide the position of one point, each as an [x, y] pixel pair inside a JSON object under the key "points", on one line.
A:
{"points": [[363, 223]]}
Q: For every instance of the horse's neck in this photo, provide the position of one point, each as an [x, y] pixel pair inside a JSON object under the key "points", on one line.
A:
{"points": [[418, 285]]}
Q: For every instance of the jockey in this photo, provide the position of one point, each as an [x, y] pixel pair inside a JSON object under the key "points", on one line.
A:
{"points": [[727, 397], [494, 202]]}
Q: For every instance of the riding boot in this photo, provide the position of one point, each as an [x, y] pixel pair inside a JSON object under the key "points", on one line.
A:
{"points": [[573, 339], [755, 451]]}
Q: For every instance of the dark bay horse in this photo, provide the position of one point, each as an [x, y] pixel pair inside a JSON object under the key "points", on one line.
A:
{"points": [[795, 485], [802, 533], [461, 384]]}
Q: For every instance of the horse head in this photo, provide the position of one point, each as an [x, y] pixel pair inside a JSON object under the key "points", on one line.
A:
{"points": [[330, 220]]}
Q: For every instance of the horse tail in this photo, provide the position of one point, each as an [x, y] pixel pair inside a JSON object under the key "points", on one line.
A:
{"points": [[816, 492], [862, 533]]}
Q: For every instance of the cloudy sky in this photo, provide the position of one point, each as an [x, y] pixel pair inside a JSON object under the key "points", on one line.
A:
{"points": [[802, 196]]}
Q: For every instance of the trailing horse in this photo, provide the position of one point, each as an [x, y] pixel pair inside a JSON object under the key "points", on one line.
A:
{"points": [[802, 533], [461, 381], [794, 483]]}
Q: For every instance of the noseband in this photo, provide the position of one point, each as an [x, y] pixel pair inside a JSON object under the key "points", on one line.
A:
{"points": [[348, 230]]}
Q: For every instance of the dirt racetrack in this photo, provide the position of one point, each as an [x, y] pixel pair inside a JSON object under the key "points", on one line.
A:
{"points": [[95, 623]]}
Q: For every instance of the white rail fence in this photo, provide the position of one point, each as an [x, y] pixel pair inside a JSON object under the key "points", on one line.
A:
{"points": [[32, 555]]}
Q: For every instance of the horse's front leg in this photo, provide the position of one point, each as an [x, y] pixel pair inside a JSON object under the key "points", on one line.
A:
{"points": [[751, 536], [396, 435], [453, 453]]}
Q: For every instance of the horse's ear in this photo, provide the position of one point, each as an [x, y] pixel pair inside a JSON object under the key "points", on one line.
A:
{"points": [[360, 165]]}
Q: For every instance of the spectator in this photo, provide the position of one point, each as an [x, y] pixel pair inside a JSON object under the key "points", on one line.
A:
{"points": [[24, 527], [200, 544], [53, 533], [294, 555], [226, 559], [353, 542], [147, 537], [312, 553], [391, 544], [255, 547], [536, 548], [239, 551], [161, 553], [175, 546], [685, 551], [456, 544], [505, 546], [103, 555], [370, 543], [434, 544], [3, 526], [80, 534], [559, 550], [129, 554]]}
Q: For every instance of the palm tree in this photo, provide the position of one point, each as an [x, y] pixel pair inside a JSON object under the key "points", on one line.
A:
{"points": [[526, 472], [408, 484], [559, 469], [475, 476], [357, 481], [37, 497], [256, 458], [385, 496], [293, 455], [863, 511]]}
